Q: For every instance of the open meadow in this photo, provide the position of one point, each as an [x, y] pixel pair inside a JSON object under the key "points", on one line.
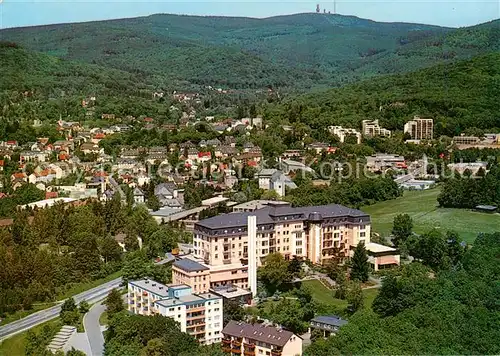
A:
{"points": [[422, 206]]}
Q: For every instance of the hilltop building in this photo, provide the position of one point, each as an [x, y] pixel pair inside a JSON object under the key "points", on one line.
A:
{"points": [[420, 128], [343, 133], [371, 128]]}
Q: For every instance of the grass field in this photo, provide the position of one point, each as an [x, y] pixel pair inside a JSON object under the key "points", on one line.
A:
{"points": [[14, 346], [324, 295], [423, 208]]}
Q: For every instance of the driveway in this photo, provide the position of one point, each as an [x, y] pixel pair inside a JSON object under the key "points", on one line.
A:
{"points": [[93, 328]]}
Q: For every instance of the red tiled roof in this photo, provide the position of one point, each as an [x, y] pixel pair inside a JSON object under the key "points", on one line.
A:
{"points": [[51, 195]]}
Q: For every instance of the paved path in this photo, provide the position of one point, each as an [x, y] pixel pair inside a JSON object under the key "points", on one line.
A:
{"points": [[92, 295], [93, 328]]}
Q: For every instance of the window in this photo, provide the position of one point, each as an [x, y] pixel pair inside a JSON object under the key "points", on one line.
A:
{"points": [[298, 243], [216, 256], [299, 251], [216, 247], [171, 309], [362, 234], [261, 352], [216, 325]]}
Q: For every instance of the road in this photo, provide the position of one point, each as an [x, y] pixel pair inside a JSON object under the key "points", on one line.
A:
{"points": [[93, 328], [92, 295]]}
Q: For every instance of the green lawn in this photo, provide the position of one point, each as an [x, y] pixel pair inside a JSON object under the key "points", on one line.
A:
{"points": [[423, 208], [324, 295], [14, 346], [103, 319], [78, 288]]}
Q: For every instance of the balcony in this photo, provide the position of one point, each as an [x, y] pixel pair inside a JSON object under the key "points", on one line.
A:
{"points": [[195, 317], [236, 351], [276, 352], [226, 341], [189, 326], [196, 310], [226, 349], [249, 352], [226, 261], [249, 346], [237, 343], [144, 294]]}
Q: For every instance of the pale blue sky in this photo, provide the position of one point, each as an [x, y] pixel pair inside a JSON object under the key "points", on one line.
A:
{"points": [[453, 13]]}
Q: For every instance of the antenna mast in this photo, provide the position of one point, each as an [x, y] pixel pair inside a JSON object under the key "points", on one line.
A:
{"points": [[335, 6]]}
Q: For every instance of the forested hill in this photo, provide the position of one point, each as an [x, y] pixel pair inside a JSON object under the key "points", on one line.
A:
{"points": [[297, 51], [458, 96]]}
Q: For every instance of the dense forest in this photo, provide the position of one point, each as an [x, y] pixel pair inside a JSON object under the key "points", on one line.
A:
{"points": [[44, 252], [448, 311], [296, 51], [468, 192], [458, 96]]}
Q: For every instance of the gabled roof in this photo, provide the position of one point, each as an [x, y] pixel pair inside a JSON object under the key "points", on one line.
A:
{"points": [[268, 334]]}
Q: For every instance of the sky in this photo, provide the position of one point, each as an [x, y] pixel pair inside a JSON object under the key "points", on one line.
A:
{"points": [[450, 13]]}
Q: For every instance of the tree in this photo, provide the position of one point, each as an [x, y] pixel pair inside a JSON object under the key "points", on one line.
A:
{"points": [[274, 274], [233, 311], [75, 352], [83, 307], [69, 312], [153, 203], [402, 229], [295, 266], [110, 250], [317, 334], [354, 297], [114, 303], [432, 249], [341, 288], [161, 241], [360, 267], [68, 305]]}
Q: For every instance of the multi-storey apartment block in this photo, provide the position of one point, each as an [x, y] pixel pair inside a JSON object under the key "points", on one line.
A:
{"points": [[342, 133], [317, 233], [200, 315], [420, 128], [371, 128], [257, 339]]}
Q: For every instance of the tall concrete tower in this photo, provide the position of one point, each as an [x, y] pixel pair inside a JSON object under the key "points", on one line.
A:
{"points": [[252, 254], [317, 9]]}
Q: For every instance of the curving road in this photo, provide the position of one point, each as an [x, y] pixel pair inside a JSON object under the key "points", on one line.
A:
{"points": [[92, 295], [93, 328]]}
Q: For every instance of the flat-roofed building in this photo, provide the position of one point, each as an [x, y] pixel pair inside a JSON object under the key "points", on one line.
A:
{"points": [[381, 256], [328, 324], [465, 140], [420, 128], [371, 128], [200, 315], [381, 162], [343, 133], [257, 339]]}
